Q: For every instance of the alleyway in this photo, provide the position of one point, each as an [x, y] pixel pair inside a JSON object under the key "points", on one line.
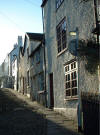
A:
{"points": [[20, 116]]}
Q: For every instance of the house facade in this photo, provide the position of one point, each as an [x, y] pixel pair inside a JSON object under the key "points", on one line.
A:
{"points": [[66, 22], [26, 63], [21, 83], [15, 72], [36, 71], [13, 56]]}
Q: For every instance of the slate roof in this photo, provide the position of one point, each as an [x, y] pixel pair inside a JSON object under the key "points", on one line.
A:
{"points": [[35, 36], [32, 36]]}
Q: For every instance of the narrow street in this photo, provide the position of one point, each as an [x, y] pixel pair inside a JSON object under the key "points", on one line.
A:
{"points": [[20, 116]]}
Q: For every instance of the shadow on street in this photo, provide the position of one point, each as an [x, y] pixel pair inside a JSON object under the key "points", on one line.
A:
{"points": [[18, 118]]}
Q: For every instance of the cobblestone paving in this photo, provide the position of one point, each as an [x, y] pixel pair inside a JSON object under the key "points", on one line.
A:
{"points": [[20, 116], [17, 119]]}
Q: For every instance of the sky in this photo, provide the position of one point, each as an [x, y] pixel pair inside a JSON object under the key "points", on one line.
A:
{"points": [[16, 18]]}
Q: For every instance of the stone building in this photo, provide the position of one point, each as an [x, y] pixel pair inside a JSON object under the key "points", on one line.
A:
{"points": [[36, 71], [21, 71], [27, 63], [66, 24], [15, 72], [14, 54]]}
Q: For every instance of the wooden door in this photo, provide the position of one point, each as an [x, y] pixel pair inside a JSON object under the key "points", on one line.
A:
{"points": [[51, 91]]}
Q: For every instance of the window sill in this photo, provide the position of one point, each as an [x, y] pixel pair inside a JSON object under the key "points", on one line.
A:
{"points": [[71, 98], [62, 52]]}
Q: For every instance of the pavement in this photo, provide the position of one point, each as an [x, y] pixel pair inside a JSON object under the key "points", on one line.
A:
{"points": [[21, 116]]}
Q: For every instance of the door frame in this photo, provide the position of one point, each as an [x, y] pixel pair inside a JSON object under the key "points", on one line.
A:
{"points": [[51, 90]]}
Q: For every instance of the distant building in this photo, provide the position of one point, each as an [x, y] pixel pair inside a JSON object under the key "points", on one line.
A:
{"points": [[6, 67], [14, 53], [15, 73]]}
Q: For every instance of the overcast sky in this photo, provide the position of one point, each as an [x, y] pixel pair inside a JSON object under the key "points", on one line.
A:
{"points": [[16, 18]]}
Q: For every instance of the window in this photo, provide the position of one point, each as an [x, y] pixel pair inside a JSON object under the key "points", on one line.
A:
{"points": [[71, 79], [61, 35], [58, 3]]}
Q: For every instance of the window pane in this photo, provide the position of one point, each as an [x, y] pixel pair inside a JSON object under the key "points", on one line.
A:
{"points": [[74, 64], [59, 42], [64, 45], [72, 76], [68, 77], [75, 75], [67, 68], [67, 85], [74, 83], [68, 92], [74, 92]]}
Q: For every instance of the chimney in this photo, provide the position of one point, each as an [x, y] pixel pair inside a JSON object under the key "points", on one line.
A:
{"points": [[20, 41]]}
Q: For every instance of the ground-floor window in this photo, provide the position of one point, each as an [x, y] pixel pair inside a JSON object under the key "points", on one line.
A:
{"points": [[71, 79]]}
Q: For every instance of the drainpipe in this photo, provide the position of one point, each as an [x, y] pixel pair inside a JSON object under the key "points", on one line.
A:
{"points": [[96, 18], [79, 91], [45, 91]]}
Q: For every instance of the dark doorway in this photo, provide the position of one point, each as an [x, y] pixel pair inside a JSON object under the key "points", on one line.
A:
{"points": [[51, 91]]}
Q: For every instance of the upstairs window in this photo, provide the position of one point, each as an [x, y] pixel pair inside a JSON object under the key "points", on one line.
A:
{"points": [[71, 79], [58, 3], [61, 35]]}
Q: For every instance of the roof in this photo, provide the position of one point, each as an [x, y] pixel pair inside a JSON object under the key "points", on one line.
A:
{"points": [[35, 36], [43, 3], [12, 50]]}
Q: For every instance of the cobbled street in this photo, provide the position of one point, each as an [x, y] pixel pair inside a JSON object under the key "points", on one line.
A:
{"points": [[20, 116], [17, 118]]}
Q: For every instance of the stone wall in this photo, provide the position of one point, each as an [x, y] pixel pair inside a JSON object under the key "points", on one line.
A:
{"points": [[77, 14]]}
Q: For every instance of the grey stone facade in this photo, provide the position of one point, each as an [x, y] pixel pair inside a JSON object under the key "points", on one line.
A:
{"points": [[37, 72], [30, 65], [77, 14]]}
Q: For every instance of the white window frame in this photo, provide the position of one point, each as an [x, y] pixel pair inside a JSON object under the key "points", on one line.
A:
{"points": [[61, 32], [68, 71]]}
